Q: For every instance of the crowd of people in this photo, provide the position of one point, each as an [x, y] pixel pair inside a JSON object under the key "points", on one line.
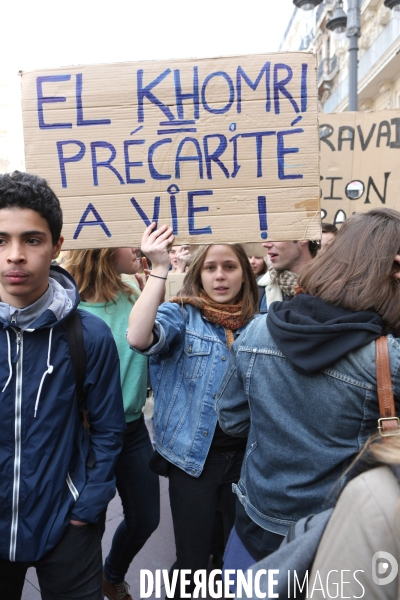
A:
{"points": [[263, 372]]}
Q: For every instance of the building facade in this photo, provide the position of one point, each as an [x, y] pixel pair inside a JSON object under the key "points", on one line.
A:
{"points": [[379, 55]]}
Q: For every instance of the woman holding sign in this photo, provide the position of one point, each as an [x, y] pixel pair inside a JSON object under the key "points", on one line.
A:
{"points": [[188, 339]]}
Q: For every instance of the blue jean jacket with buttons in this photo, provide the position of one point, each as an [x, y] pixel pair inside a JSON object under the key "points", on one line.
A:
{"points": [[303, 430], [187, 365]]}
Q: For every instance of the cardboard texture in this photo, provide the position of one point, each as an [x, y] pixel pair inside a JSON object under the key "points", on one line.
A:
{"points": [[173, 285], [360, 158], [224, 149]]}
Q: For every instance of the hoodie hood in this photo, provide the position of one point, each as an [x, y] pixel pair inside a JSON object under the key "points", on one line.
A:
{"points": [[54, 305], [313, 334], [60, 298]]}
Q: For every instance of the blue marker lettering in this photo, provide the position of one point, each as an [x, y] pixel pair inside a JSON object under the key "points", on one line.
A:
{"points": [[107, 163], [80, 121], [304, 92], [240, 73], [128, 164], [153, 171], [62, 160], [224, 109], [172, 190], [259, 136], [236, 166], [180, 96], [282, 151], [215, 155], [142, 214], [98, 221], [145, 92], [262, 213], [197, 158], [280, 86], [192, 210], [50, 100]]}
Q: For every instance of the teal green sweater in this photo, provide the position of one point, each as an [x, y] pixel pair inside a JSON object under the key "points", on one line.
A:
{"points": [[133, 365]]}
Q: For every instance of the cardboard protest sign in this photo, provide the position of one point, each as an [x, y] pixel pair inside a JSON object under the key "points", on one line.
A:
{"points": [[173, 284], [224, 150], [360, 157]]}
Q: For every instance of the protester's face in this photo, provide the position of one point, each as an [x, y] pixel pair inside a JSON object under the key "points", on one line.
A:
{"points": [[284, 255], [257, 264], [173, 257], [327, 238], [221, 274], [26, 252], [125, 261]]}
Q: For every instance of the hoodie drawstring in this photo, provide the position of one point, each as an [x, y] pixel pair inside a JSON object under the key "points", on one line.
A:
{"points": [[47, 372], [9, 361]]}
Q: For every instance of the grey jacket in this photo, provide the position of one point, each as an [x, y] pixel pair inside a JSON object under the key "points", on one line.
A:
{"points": [[364, 522]]}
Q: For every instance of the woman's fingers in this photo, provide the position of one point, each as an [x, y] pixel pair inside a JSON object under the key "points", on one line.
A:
{"points": [[157, 239]]}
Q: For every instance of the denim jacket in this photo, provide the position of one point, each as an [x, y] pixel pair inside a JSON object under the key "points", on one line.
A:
{"points": [[304, 429], [187, 364]]}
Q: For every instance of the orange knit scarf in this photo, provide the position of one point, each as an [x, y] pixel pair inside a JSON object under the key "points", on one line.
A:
{"points": [[227, 315]]}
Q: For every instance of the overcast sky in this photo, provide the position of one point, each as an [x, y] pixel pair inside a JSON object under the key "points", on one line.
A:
{"points": [[48, 33], [39, 34]]}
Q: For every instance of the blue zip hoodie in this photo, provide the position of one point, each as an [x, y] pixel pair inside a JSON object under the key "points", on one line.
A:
{"points": [[43, 447]]}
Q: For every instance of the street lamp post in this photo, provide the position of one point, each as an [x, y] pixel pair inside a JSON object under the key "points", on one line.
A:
{"points": [[353, 33], [350, 24]]}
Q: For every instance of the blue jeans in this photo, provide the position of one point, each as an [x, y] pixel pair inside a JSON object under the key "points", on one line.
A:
{"points": [[139, 490]]}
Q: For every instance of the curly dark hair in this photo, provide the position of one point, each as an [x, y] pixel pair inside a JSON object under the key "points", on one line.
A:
{"points": [[23, 190]]}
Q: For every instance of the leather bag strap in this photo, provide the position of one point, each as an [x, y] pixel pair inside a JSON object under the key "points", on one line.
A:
{"points": [[388, 424]]}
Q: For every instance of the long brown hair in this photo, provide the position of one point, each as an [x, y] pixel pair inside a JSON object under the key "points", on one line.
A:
{"points": [[356, 270], [248, 293], [95, 275]]}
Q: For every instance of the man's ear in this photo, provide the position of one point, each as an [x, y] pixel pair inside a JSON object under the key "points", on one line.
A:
{"points": [[303, 242], [57, 247]]}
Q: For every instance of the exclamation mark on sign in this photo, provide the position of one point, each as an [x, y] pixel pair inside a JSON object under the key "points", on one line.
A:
{"points": [[262, 213]]}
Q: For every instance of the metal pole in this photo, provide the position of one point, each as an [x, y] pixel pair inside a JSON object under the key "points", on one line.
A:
{"points": [[353, 73], [353, 33]]}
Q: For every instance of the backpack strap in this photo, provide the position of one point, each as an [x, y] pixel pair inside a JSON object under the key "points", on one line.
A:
{"points": [[73, 326], [389, 423]]}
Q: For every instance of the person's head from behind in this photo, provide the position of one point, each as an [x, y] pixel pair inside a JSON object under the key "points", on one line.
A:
{"points": [[224, 274], [329, 232], [97, 272], [290, 256], [30, 237], [357, 271], [258, 265]]}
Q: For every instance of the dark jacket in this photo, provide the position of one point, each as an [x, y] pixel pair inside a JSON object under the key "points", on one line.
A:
{"points": [[43, 447]]}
